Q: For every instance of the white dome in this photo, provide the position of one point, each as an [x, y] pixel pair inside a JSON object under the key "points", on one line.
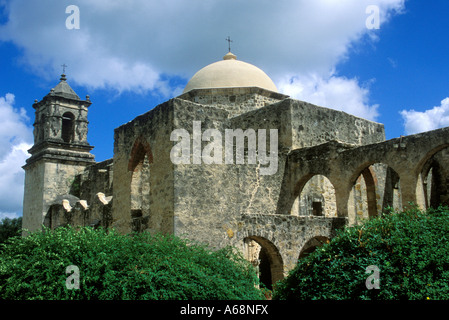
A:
{"points": [[230, 73]]}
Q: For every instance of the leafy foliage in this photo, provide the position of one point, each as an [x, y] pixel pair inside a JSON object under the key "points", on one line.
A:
{"points": [[114, 266], [10, 228], [411, 249]]}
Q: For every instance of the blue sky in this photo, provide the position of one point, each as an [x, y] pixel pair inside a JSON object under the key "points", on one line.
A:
{"points": [[131, 55], [410, 64]]}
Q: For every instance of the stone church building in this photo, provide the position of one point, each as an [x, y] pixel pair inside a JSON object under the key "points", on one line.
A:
{"points": [[330, 169]]}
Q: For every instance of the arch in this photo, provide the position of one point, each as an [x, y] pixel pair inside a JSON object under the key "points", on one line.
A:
{"points": [[311, 245], [68, 127], [315, 196], [265, 256], [362, 203], [140, 166], [140, 149], [422, 163], [433, 179], [374, 188], [372, 164]]}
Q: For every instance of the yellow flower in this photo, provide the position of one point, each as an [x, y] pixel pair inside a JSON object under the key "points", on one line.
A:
{"points": [[428, 298]]}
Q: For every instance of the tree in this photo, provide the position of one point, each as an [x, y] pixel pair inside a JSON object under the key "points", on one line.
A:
{"points": [[53, 264], [410, 251], [10, 228]]}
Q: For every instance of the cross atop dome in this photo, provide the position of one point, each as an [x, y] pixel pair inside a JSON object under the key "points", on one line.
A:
{"points": [[228, 39]]}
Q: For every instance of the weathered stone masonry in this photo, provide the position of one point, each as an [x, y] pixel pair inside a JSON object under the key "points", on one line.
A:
{"points": [[334, 169]]}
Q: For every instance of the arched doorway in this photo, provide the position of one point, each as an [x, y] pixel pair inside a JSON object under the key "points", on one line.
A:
{"points": [[265, 257]]}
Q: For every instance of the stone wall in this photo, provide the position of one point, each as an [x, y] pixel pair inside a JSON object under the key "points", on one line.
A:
{"points": [[33, 203], [148, 134], [400, 184], [288, 234], [205, 196], [330, 166], [313, 125], [94, 186], [210, 199], [234, 100], [45, 181], [70, 210]]}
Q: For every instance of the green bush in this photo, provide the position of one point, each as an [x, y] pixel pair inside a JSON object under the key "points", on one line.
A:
{"points": [[114, 266], [411, 249]]}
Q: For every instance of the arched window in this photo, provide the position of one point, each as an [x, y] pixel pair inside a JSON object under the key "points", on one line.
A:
{"points": [[317, 198], [140, 194], [140, 166], [68, 127]]}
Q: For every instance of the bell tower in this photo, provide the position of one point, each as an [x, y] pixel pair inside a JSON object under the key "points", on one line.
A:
{"points": [[60, 151]]}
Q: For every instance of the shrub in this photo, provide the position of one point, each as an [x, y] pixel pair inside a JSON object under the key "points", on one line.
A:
{"points": [[119, 267], [411, 249]]}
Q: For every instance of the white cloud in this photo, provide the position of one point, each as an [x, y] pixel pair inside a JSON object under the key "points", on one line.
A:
{"points": [[128, 45], [15, 140], [431, 119], [9, 215], [12, 177], [333, 92], [13, 126], [136, 45]]}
